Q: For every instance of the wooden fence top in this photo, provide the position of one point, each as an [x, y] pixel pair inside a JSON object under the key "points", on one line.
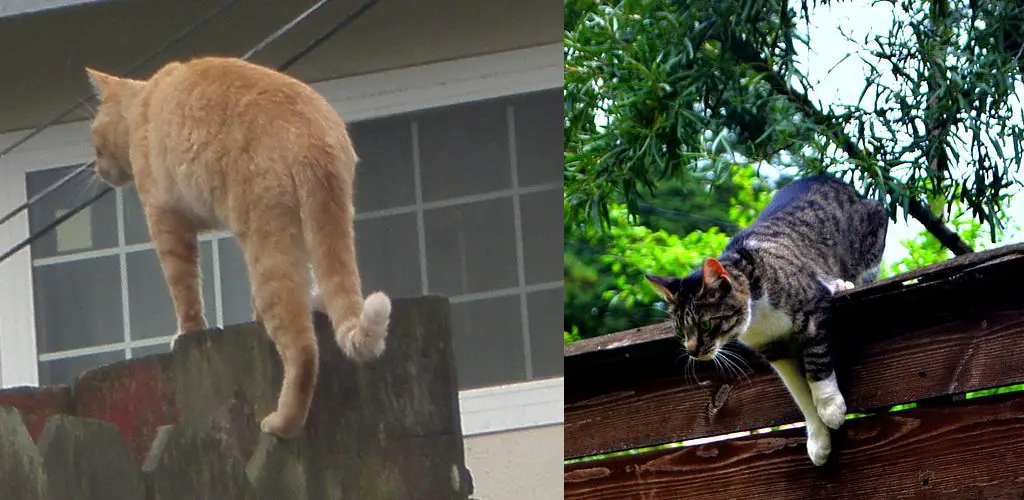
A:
{"points": [[946, 329], [581, 350], [185, 424]]}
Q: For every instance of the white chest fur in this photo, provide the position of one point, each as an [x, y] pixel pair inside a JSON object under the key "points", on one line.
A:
{"points": [[766, 324]]}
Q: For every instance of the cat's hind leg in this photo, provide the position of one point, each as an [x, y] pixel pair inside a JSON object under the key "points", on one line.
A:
{"points": [[821, 377], [277, 263], [819, 441]]}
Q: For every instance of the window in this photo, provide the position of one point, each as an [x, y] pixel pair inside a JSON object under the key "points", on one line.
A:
{"points": [[462, 200]]}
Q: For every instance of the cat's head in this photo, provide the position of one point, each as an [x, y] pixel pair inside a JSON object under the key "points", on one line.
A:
{"points": [[109, 127], [706, 306]]}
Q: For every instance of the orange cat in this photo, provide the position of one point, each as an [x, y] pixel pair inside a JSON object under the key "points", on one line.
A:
{"points": [[219, 143]]}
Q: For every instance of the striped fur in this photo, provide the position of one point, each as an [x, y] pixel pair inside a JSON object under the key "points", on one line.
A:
{"points": [[222, 143], [772, 286]]}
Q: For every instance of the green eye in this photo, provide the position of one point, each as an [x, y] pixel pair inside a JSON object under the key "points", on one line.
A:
{"points": [[705, 325]]}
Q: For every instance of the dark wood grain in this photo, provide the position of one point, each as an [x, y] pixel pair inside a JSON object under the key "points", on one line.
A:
{"points": [[971, 449], [949, 336]]}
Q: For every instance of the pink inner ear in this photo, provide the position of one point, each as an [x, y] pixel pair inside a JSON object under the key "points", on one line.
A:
{"points": [[713, 270]]}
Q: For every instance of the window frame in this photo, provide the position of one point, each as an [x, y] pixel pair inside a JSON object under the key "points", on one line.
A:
{"points": [[363, 97]]}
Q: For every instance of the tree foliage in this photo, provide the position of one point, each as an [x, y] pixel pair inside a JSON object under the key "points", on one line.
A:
{"points": [[605, 290], [667, 89]]}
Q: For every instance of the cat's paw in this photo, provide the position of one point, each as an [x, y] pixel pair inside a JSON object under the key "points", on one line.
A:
{"points": [[819, 446], [841, 285], [176, 338], [281, 425], [832, 410]]}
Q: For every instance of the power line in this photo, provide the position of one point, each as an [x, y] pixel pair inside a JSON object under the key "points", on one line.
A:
{"points": [[64, 114], [139, 63], [273, 36]]}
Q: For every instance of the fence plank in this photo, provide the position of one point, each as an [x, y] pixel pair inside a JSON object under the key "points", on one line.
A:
{"points": [[135, 395], [21, 466], [947, 336], [184, 463], [277, 469], [966, 450], [88, 459], [36, 404]]}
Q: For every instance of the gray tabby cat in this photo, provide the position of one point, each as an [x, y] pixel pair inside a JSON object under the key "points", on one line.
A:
{"points": [[772, 286]]}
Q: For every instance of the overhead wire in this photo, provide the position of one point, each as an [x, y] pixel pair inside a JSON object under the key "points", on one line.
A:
{"points": [[81, 101], [356, 14]]}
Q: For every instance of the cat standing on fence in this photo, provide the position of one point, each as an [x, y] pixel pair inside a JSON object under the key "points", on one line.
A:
{"points": [[220, 143], [772, 286]]}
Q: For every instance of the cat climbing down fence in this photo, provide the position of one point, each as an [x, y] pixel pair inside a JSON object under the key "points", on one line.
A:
{"points": [[220, 143], [771, 288]]}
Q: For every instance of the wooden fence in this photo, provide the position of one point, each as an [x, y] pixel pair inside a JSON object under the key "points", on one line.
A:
{"points": [[185, 424], [930, 336]]}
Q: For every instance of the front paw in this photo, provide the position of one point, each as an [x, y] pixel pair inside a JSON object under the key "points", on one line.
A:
{"points": [[174, 339], [832, 410], [819, 446]]}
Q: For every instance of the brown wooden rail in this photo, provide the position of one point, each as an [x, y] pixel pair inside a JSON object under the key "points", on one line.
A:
{"points": [[929, 335]]}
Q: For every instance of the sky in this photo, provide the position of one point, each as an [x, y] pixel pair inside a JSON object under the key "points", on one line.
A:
{"points": [[845, 82]]}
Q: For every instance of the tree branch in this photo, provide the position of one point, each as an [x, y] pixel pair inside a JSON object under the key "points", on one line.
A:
{"points": [[917, 209]]}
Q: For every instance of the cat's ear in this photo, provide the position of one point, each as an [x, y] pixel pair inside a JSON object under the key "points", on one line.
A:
{"points": [[100, 81], [667, 287], [715, 276]]}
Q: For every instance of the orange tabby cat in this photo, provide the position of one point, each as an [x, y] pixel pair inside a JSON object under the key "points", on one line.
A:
{"points": [[220, 143]]}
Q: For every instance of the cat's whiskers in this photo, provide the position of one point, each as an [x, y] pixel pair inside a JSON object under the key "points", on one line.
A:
{"points": [[719, 372], [732, 358], [84, 186], [733, 367]]}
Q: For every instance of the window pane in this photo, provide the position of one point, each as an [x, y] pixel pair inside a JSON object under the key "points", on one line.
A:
{"points": [[63, 371], [464, 150], [384, 175], [236, 294], [139, 352], [542, 236], [389, 255], [488, 337], [546, 325], [93, 228], [135, 229], [539, 137], [78, 304], [151, 310], [471, 248]]}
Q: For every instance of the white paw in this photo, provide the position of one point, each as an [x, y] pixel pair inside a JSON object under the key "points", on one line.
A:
{"points": [[819, 446], [843, 285], [832, 410]]}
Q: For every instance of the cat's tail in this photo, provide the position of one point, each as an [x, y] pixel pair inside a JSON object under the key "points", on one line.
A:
{"points": [[360, 326]]}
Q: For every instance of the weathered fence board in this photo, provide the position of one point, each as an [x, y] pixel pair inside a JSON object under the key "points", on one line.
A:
{"points": [[190, 418], [945, 451], [21, 466], [172, 471], [88, 459], [959, 333]]}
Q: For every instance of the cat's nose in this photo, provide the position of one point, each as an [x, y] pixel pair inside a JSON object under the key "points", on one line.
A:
{"points": [[691, 346]]}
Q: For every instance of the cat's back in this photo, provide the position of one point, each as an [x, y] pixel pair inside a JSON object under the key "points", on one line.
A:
{"points": [[815, 192], [234, 92], [821, 223]]}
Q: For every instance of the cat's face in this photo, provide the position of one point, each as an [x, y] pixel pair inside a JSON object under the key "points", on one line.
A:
{"points": [[109, 128], [707, 310]]}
